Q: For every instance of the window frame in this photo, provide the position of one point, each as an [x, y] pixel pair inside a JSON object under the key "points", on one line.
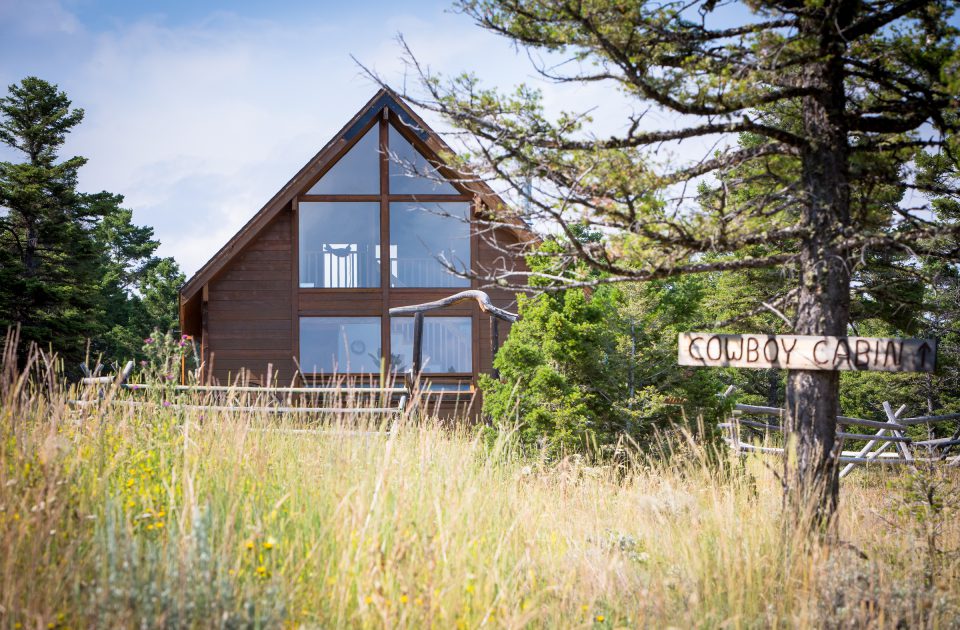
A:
{"points": [[442, 315], [341, 319], [377, 301], [369, 206]]}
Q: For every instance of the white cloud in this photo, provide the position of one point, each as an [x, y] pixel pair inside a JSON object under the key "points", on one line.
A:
{"points": [[38, 17], [198, 125]]}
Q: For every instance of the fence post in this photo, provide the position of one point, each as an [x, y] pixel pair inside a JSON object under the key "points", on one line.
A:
{"points": [[494, 345], [417, 344]]}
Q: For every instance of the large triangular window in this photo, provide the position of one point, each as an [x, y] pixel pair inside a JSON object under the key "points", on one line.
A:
{"points": [[383, 215], [357, 172], [411, 173]]}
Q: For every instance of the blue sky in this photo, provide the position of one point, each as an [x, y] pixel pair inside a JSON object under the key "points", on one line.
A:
{"points": [[199, 111]]}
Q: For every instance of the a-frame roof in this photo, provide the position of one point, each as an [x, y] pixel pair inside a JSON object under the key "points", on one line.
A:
{"points": [[383, 99]]}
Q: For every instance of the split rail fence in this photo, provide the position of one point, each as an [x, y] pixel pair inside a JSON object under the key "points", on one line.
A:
{"points": [[306, 404], [889, 445]]}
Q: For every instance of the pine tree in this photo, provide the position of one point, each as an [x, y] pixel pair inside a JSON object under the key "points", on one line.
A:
{"points": [[50, 265], [847, 93], [75, 271]]}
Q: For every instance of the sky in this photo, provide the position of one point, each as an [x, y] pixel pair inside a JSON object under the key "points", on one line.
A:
{"points": [[197, 112]]}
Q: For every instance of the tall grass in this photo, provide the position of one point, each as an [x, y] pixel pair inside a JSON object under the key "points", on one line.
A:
{"points": [[115, 516]]}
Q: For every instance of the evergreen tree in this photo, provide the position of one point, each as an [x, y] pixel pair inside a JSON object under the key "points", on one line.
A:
{"points": [[50, 264], [583, 368], [73, 267], [563, 372], [140, 291], [870, 84]]}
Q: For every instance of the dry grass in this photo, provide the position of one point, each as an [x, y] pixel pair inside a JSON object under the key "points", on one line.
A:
{"points": [[119, 517]]}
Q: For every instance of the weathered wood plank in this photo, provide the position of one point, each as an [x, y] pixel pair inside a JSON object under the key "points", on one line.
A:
{"points": [[241, 353], [800, 352], [248, 297], [249, 315], [253, 285], [276, 342], [845, 420], [249, 256], [336, 304], [279, 390], [256, 270], [481, 298], [232, 328]]}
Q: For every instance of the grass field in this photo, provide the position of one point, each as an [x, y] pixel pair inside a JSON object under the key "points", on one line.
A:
{"points": [[120, 517]]}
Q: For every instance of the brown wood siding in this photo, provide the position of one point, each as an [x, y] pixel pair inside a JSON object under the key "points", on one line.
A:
{"points": [[249, 314], [250, 309], [488, 257], [333, 303]]}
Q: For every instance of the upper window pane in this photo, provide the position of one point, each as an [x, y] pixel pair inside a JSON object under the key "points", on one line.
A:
{"points": [[357, 172], [410, 173], [447, 344], [425, 240], [342, 345], [339, 245]]}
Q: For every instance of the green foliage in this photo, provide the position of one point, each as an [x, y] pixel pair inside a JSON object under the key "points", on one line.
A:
{"points": [[164, 356], [825, 219], [562, 372], [73, 266], [582, 369], [49, 262]]}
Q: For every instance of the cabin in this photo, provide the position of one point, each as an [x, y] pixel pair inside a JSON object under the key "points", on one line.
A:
{"points": [[301, 294]]}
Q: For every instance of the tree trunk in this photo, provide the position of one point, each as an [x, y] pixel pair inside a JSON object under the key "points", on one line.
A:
{"points": [[774, 388], [30, 250], [824, 301]]}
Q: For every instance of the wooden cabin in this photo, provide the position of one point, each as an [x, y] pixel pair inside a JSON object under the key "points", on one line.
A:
{"points": [[300, 295]]}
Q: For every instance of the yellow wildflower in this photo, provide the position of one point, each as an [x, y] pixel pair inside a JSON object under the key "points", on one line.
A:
{"points": [[600, 618], [270, 543], [404, 599], [249, 545]]}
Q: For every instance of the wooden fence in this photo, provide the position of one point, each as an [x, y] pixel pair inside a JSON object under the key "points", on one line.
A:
{"points": [[312, 402], [750, 424]]}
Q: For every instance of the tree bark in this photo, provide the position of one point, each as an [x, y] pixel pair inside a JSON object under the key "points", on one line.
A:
{"points": [[823, 307]]}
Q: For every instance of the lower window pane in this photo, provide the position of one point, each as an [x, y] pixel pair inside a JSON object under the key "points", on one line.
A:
{"points": [[341, 345], [447, 344]]}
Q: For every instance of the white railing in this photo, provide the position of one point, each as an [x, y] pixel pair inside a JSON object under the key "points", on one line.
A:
{"points": [[424, 272], [334, 268], [444, 346]]}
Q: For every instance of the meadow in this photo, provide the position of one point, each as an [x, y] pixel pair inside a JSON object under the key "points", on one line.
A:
{"points": [[114, 516]]}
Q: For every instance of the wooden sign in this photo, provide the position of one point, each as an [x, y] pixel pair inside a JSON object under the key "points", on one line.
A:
{"points": [[797, 352]]}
